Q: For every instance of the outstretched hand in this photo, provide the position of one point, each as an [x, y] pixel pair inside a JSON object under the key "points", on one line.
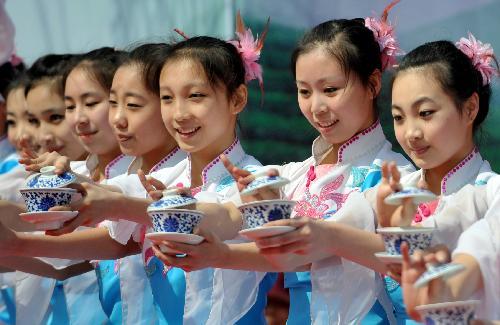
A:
{"points": [[391, 215], [244, 177]]}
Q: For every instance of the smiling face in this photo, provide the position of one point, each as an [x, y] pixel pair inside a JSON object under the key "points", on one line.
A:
{"points": [[87, 106], [336, 105], [427, 123], [199, 115], [135, 114], [53, 131], [20, 123]]}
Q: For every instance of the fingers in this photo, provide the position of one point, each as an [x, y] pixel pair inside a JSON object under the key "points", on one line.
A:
{"points": [[395, 177], [406, 256], [149, 183], [61, 165], [294, 222], [236, 172], [385, 172], [155, 195], [279, 240]]}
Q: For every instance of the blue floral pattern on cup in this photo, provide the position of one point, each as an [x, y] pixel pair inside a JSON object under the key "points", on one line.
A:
{"points": [[393, 241], [460, 314], [175, 220], [171, 201], [258, 213], [39, 200], [50, 180]]}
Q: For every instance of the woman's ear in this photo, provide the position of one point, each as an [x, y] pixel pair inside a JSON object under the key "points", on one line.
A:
{"points": [[375, 83], [471, 108], [239, 99]]}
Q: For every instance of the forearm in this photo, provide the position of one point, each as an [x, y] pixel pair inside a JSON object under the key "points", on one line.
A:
{"points": [[10, 216], [461, 286], [86, 244], [246, 256], [224, 220], [130, 208], [356, 245], [38, 267]]}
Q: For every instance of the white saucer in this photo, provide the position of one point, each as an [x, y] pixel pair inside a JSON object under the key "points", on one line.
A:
{"points": [[266, 181], [262, 232], [48, 220], [387, 258], [418, 195], [443, 270], [175, 236]]}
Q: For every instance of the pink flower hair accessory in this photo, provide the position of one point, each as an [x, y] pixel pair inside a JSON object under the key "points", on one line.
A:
{"points": [[249, 49], [384, 35], [481, 55]]}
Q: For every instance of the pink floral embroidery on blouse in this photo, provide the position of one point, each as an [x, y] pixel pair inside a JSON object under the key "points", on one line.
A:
{"points": [[314, 206], [425, 210]]}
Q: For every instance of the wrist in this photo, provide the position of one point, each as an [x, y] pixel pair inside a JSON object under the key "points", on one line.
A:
{"points": [[224, 256]]}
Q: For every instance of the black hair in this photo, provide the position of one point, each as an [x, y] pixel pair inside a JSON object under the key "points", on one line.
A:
{"points": [[454, 71], [49, 68], [100, 64], [219, 59], [349, 41], [8, 73], [149, 58]]}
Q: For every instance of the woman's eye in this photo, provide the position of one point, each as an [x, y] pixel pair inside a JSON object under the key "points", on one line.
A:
{"points": [[196, 95], [113, 102], [426, 113], [330, 90], [91, 104], [397, 118], [56, 118], [10, 123], [34, 121], [133, 105], [304, 92], [70, 107], [166, 98]]}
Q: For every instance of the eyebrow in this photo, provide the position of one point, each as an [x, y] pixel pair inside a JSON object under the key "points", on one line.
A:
{"points": [[190, 85], [416, 103], [53, 110], [10, 113], [85, 95]]}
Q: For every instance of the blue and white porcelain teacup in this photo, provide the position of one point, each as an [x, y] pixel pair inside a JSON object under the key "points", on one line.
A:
{"points": [[258, 213], [175, 220], [448, 313], [42, 199], [415, 237], [171, 199], [48, 179]]}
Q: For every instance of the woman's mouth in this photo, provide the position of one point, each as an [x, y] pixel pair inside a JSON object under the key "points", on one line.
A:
{"points": [[188, 132], [326, 125]]}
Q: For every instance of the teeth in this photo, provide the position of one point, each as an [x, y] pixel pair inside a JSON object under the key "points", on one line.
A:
{"points": [[326, 125], [187, 130]]}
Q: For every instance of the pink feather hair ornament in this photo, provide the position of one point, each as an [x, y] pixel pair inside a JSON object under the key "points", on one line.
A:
{"points": [[481, 55], [249, 49], [384, 35]]}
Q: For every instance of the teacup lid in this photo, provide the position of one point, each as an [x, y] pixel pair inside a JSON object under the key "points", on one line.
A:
{"points": [[171, 199], [262, 180], [48, 179]]}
